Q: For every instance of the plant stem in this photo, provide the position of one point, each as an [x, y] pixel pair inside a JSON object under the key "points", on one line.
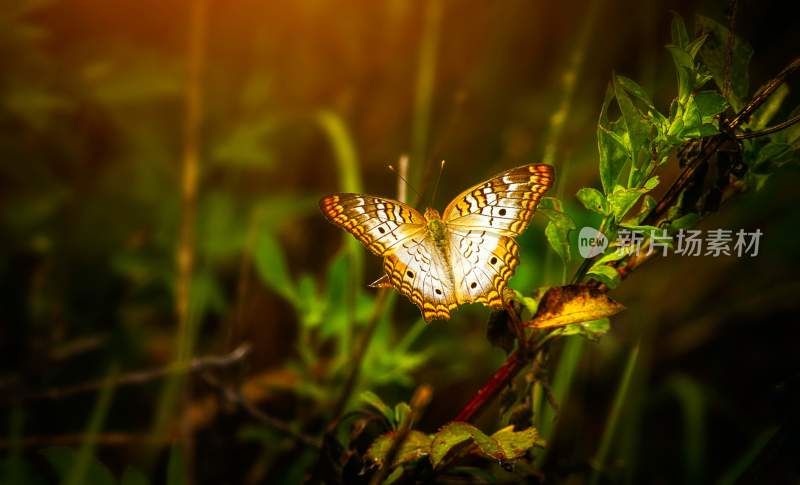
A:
{"points": [[613, 417]]}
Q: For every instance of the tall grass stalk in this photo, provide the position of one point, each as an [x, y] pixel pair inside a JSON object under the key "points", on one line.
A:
{"points": [[77, 472], [186, 248], [613, 417], [423, 95]]}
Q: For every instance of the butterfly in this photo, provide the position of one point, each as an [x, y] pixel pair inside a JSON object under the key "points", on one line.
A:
{"points": [[466, 255]]}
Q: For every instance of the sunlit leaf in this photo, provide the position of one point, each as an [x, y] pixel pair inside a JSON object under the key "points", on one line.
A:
{"points": [[564, 305], [610, 147], [456, 433], [373, 400], [415, 446], [593, 200], [605, 274]]}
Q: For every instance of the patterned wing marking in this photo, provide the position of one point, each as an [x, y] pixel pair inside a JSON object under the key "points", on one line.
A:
{"points": [[483, 263], [380, 224], [418, 270], [503, 204]]}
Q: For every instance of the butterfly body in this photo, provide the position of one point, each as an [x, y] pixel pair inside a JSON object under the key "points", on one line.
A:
{"points": [[465, 255]]}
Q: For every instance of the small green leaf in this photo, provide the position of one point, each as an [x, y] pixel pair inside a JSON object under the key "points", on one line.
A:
{"points": [[594, 200], [680, 37], [636, 125], [557, 230], [401, 413], [415, 446], [376, 402], [622, 200], [685, 222], [605, 274], [515, 444], [635, 90], [692, 119], [651, 183], [610, 147], [455, 433], [592, 330], [710, 104], [559, 241], [684, 65]]}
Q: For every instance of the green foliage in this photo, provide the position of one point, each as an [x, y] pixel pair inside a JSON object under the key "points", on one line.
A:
{"points": [[456, 440]]}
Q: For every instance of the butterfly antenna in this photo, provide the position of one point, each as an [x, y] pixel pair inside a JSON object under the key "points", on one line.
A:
{"points": [[400, 174], [436, 186]]}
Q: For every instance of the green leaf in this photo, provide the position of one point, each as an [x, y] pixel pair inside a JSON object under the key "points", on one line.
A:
{"points": [[652, 183], [622, 200], [559, 241], [592, 330], [710, 104], [133, 476], [773, 156], [680, 37], [692, 119], [376, 402], [515, 444], [714, 55], [415, 446], [270, 263], [401, 412], [685, 222], [456, 433], [684, 65], [637, 126], [769, 109], [610, 147], [594, 200], [605, 274], [635, 90], [557, 230]]}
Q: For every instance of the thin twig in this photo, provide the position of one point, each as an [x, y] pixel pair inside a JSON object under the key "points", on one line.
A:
{"points": [[770, 130], [235, 397], [102, 439], [195, 365]]}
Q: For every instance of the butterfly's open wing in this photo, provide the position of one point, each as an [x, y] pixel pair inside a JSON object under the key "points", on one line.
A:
{"points": [[482, 262], [482, 222], [380, 224], [503, 204], [388, 228], [419, 271]]}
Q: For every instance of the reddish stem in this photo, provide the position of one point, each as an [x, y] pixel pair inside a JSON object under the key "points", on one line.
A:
{"points": [[500, 379]]}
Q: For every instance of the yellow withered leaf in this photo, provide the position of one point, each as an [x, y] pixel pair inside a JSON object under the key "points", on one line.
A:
{"points": [[565, 305]]}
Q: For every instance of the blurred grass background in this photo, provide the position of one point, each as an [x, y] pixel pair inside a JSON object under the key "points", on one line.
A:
{"points": [[298, 99]]}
